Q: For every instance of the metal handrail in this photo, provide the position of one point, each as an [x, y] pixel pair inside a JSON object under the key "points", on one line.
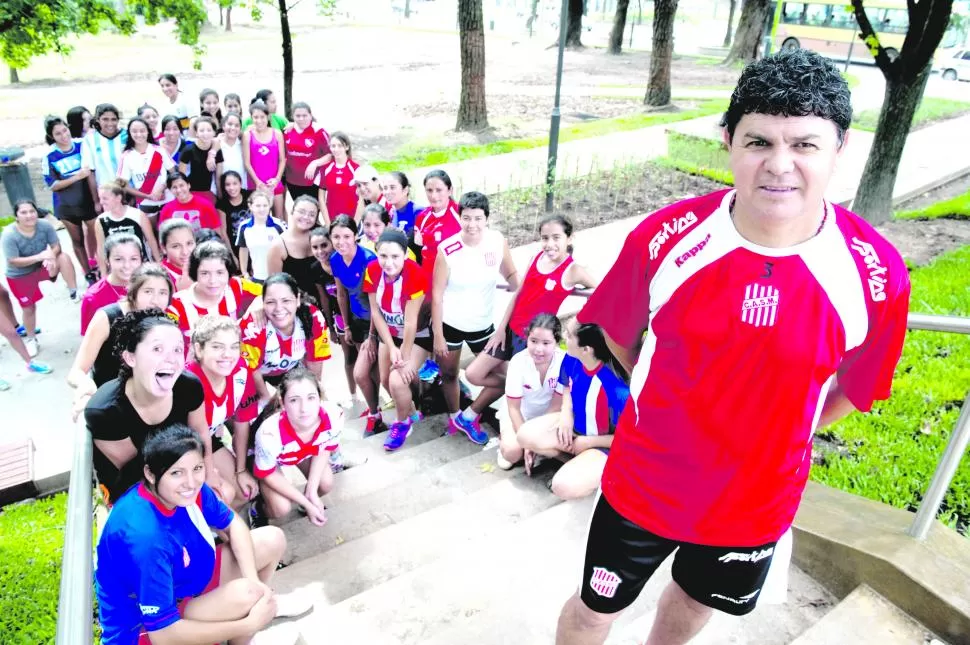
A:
{"points": [[75, 603], [74, 606]]}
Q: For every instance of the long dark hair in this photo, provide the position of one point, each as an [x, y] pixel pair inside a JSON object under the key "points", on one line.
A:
{"points": [[131, 330], [590, 335], [164, 447], [130, 143], [49, 124], [303, 314], [75, 120]]}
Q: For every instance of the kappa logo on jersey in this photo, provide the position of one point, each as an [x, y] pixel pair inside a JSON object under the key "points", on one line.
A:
{"points": [[760, 305], [604, 582], [743, 600], [754, 556], [675, 226], [877, 272], [697, 248], [148, 610]]}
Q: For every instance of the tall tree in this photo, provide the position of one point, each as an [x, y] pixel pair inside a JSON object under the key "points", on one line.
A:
{"points": [[906, 77], [472, 114], [226, 5], [751, 29], [574, 24], [30, 28], [730, 25], [658, 91], [619, 24]]}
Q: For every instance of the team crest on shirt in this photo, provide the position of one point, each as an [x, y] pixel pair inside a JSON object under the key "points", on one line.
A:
{"points": [[308, 142], [185, 558], [491, 259], [760, 305], [604, 582]]}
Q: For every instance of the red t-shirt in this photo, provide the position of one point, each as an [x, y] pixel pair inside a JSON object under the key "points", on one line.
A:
{"points": [[541, 293], [301, 149], [393, 296], [434, 229], [340, 186], [186, 312], [197, 211], [100, 294], [741, 346]]}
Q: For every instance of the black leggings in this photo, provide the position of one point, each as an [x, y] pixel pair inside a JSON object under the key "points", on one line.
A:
{"points": [[296, 191]]}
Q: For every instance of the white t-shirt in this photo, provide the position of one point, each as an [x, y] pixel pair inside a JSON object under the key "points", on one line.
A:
{"points": [[232, 159], [102, 155], [180, 108], [258, 238], [134, 169], [473, 274], [522, 382]]}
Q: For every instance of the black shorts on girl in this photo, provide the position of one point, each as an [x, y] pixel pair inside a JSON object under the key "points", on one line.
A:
{"points": [[476, 340], [621, 557], [359, 329], [513, 345], [424, 342], [296, 191]]}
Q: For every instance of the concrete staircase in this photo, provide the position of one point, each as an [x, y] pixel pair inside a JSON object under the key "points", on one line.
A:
{"points": [[435, 545]]}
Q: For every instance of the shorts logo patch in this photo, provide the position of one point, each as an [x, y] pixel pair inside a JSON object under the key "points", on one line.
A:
{"points": [[743, 600], [754, 556], [604, 582]]}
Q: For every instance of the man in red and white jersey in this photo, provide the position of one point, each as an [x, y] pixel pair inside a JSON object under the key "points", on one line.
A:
{"points": [[753, 316]]}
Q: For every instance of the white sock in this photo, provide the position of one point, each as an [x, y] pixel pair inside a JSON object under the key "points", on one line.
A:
{"points": [[469, 414], [454, 415]]}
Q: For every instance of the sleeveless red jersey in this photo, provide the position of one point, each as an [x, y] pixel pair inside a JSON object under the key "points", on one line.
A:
{"points": [[434, 229], [541, 293]]}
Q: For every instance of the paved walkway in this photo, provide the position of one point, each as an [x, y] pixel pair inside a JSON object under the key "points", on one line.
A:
{"points": [[39, 406]]}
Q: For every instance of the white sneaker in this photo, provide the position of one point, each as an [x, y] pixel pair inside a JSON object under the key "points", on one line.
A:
{"points": [[293, 604], [76, 298], [32, 346], [503, 463]]}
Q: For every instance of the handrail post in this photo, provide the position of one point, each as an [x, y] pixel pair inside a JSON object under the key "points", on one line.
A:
{"points": [[945, 471], [74, 626]]}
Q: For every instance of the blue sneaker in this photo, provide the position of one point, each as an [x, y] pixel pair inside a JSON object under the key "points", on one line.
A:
{"points": [[398, 433], [472, 429], [22, 331], [416, 417], [39, 368], [429, 371]]}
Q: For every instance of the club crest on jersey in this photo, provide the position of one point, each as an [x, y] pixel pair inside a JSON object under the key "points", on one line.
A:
{"points": [[604, 582], [186, 560], [675, 226], [308, 142], [760, 305], [877, 272], [490, 258]]}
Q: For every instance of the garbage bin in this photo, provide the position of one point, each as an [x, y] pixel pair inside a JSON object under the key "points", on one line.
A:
{"points": [[15, 176]]}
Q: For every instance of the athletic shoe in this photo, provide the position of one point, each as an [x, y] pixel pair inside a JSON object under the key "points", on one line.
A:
{"points": [[375, 425], [22, 332], [502, 462], [32, 346], [91, 277], [428, 371], [75, 297], [4, 385], [39, 368], [471, 429], [396, 437], [292, 604], [257, 514]]}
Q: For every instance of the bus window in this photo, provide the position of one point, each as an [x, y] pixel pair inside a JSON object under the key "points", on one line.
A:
{"points": [[793, 13]]}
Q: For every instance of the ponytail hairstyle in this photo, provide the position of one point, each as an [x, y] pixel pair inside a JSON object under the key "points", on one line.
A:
{"points": [[546, 321], [344, 139], [164, 447], [170, 226], [563, 222], [393, 236], [75, 120], [202, 96], [115, 186], [258, 105], [171, 118], [590, 335], [49, 123], [303, 314], [376, 209], [143, 274], [290, 378], [346, 221], [117, 239], [130, 330], [438, 174]]}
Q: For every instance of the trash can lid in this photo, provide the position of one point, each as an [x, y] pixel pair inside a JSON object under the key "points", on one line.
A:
{"points": [[10, 154]]}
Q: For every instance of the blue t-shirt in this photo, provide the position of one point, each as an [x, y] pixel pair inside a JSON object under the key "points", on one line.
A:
{"points": [[598, 397], [404, 218], [150, 557], [57, 165], [352, 278]]}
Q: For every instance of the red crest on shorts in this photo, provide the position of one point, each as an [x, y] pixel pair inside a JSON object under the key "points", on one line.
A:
{"points": [[604, 582]]}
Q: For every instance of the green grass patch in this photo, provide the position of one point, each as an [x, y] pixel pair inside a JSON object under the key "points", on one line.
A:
{"points": [[416, 157], [955, 207], [31, 540], [698, 156], [851, 79], [929, 111], [6, 220], [890, 454]]}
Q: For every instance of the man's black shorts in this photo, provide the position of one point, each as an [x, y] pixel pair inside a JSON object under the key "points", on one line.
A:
{"points": [[621, 557]]}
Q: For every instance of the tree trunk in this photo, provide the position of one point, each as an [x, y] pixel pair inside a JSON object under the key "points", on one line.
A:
{"points": [[874, 197], [730, 26], [14, 76], [407, 9], [751, 28], [220, 16], [574, 24], [228, 18], [287, 58], [658, 92], [619, 24], [472, 114]]}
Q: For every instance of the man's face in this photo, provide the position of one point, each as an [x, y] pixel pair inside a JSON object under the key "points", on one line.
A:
{"points": [[782, 165]]}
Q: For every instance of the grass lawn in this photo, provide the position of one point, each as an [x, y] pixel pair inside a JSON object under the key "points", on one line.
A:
{"points": [[417, 157], [697, 156], [890, 454], [929, 111], [956, 207]]}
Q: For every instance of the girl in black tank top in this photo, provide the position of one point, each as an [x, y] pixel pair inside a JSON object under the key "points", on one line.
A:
{"points": [[292, 254]]}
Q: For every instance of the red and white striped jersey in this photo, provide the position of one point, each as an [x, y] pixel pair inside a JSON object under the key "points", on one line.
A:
{"points": [[267, 350], [434, 230], [741, 344], [279, 444], [186, 311], [238, 400], [393, 295]]}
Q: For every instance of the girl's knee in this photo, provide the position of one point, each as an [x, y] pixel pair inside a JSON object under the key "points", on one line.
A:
{"points": [[277, 506], [269, 542], [241, 595], [567, 487]]}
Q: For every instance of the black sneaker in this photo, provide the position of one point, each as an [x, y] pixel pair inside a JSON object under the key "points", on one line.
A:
{"points": [[257, 514], [375, 425]]}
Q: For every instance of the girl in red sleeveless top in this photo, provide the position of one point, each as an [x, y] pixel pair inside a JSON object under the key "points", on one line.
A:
{"points": [[550, 279]]}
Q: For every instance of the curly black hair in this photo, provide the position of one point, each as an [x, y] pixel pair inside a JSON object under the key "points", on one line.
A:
{"points": [[131, 329], [791, 83]]}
